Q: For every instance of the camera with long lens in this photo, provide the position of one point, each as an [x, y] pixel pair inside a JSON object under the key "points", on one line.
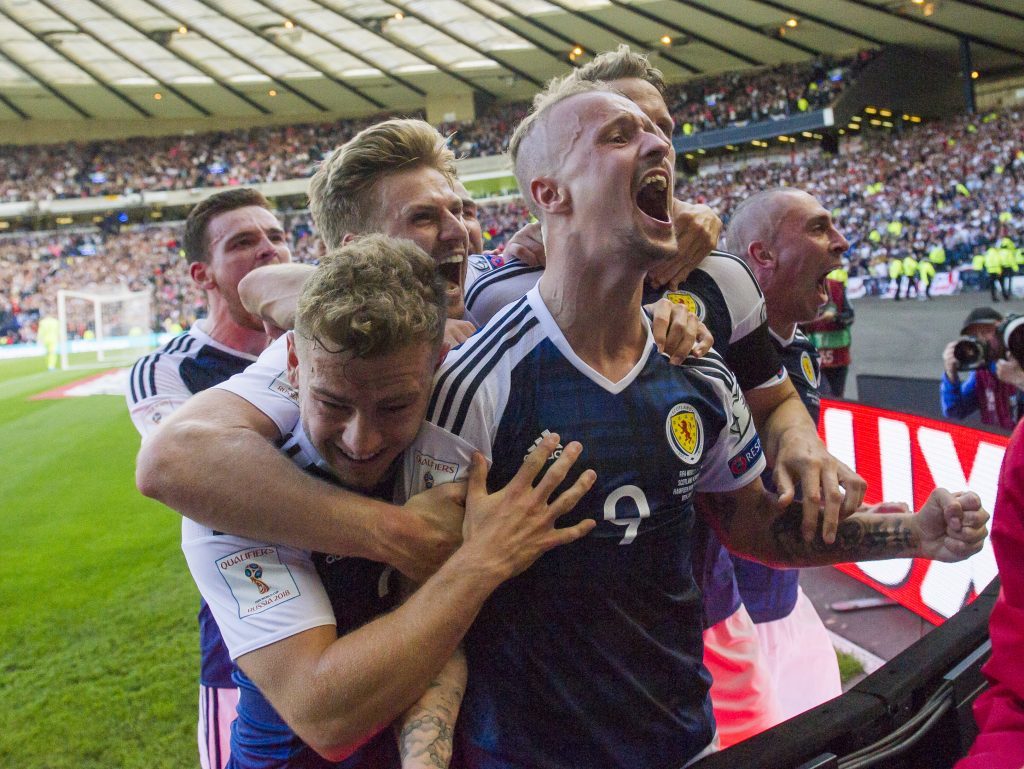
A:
{"points": [[972, 353]]}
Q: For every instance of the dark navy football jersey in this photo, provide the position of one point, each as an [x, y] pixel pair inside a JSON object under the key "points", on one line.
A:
{"points": [[158, 384], [770, 594], [592, 656]]}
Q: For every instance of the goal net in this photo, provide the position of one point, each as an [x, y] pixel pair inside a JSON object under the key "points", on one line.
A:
{"points": [[109, 325]]}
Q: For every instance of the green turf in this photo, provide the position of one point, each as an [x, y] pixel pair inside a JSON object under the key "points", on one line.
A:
{"points": [[849, 667], [98, 649]]}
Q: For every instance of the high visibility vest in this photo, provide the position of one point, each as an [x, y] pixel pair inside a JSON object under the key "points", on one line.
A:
{"points": [[978, 263], [895, 269], [909, 266], [1008, 258], [937, 255], [926, 271], [875, 236], [895, 228], [993, 261]]}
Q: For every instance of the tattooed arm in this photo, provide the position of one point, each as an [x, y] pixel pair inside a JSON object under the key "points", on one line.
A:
{"points": [[426, 729], [949, 527]]}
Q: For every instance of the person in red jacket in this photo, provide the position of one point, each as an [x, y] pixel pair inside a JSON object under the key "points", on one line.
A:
{"points": [[999, 710], [830, 333]]}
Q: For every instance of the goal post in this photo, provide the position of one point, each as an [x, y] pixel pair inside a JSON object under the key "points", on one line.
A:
{"points": [[112, 322]]}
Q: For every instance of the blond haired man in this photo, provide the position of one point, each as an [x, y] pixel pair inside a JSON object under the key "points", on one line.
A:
{"points": [[216, 463], [328, 654], [722, 292], [591, 657]]}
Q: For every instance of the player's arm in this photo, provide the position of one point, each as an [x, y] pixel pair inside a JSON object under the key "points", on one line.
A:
{"points": [[272, 293], [215, 462], [796, 454], [425, 732], [337, 692], [697, 228], [949, 527], [677, 331]]}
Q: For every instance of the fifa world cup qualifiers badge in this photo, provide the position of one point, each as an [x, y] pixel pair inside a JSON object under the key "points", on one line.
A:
{"points": [[257, 579]]}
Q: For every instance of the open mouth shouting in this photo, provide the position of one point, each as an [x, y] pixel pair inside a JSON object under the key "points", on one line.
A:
{"points": [[654, 195], [451, 270]]}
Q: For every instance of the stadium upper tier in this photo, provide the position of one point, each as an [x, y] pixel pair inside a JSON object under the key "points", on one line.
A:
{"points": [[259, 155]]}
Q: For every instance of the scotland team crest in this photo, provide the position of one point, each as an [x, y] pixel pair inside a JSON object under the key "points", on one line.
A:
{"points": [[808, 368], [690, 301], [685, 432]]}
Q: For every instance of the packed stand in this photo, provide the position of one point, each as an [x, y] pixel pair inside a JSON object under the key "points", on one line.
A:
{"points": [[273, 153], [737, 98], [33, 267], [958, 183]]}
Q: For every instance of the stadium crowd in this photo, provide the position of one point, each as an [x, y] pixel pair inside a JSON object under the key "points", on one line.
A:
{"points": [[957, 183], [34, 266], [774, 93], [273, 153]]}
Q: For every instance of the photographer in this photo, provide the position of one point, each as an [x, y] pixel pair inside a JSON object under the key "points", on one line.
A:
{"points": [[990, 349]]}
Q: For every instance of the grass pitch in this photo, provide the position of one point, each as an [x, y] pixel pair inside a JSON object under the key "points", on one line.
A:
{"points": [[98, 645]]}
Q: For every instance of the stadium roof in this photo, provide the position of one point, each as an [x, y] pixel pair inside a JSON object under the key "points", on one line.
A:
{"points": [[173, 59]]}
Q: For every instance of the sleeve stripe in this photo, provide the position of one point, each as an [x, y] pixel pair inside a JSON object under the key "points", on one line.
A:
{"points": [[143, 374], [131, 379], [452, 378], [485, 369], [510, 270], [713, 366], [743, 264]]}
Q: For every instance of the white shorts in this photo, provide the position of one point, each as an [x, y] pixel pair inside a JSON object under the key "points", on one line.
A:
{"points": [[801, 659], [743, 693], [217, 711]]}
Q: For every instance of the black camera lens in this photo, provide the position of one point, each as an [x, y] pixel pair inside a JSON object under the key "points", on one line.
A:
{"points": [[969, 353], [1011, 333]]}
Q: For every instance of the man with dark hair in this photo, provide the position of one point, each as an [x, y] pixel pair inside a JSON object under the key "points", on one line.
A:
{"points": [[226, 236]]}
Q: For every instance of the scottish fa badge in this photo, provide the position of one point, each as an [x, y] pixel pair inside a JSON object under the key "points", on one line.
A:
{"points": [[685, 432], [690, 301], [808, 368]]}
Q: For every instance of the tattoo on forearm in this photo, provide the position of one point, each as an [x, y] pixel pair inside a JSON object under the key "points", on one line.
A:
{"points": [[426, 737], [857, 538]]}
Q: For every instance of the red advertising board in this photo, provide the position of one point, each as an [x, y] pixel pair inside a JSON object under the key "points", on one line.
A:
{"points": [[903, 458]]}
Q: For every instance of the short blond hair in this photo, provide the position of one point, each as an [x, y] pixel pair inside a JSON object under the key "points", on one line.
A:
{"points": [[342, 195], [373, 296], [620, 64], [533, 157]]}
